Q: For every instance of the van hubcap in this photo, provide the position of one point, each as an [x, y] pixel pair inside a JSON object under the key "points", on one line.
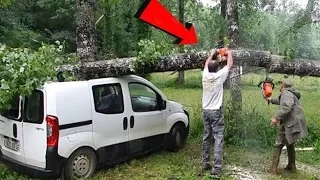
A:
{"points": [[81, 165]]}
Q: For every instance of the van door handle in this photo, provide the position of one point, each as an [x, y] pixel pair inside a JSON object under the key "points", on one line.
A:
{"points": [[125, 123], [131, 122], [15, 132]]}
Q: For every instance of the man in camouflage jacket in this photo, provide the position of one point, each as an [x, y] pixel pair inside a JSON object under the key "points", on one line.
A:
{"points": [[291, 122]]}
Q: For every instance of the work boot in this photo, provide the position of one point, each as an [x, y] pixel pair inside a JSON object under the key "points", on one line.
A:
{"points": [[215, 174], [206, 167], [291, 159], [275, 161]]}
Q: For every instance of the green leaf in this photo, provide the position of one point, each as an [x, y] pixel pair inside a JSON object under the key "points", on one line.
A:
{"points": [[21, 69]]}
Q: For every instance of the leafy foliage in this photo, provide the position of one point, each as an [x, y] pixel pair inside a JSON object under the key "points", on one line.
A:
{"points": [[150, 53], [5, 3], [22, 69], [25, 23]]}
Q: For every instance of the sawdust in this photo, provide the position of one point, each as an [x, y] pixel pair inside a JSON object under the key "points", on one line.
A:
{"points": [[240, 173], [300, 166]]}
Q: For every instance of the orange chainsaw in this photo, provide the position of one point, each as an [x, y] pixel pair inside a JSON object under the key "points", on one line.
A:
{"points": [[222, 51], [266, 87]]}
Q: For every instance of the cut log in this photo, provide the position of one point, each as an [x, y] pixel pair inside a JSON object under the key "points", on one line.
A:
{"points": [[125, 66]]}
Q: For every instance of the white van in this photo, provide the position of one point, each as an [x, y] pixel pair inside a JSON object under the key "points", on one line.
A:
{"points": [[69, 129]]}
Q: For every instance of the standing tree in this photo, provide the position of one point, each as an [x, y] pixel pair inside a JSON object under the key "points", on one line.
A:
{"points": [[222, 33], [85, 32], [181, 18], [108, 30], [223, 8], [233, 34]]}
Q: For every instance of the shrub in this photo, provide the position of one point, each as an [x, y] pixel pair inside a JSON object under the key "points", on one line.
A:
{"points": [[196, 124], [248, 128]]}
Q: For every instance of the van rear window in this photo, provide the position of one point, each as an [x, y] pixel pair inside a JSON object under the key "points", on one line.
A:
{"points": [[33, 110], [14, 111]]}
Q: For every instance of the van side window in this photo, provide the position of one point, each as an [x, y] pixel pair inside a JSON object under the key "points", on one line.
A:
{"points": [[33, 111], [14, 110], [108, 99], [143, 98]]}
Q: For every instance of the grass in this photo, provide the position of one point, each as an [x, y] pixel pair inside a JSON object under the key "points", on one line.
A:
{"points": [[186, 163], [308, 86]]}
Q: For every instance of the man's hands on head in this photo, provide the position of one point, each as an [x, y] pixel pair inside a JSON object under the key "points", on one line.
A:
{"points": [[212, 52], [229, 58]]}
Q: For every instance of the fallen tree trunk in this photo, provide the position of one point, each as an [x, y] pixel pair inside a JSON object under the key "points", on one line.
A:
{"points": [[125, 66], [299, 67]]}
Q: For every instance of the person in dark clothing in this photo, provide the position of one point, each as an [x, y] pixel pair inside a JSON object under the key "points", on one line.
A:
{"points": [[291, 122]]}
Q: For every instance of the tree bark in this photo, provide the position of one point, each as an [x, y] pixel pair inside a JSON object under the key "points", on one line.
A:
{"points": [[119, 67], [233, 34], [223, 12], [108, 32], [223, 9], [233, 23], [235, 87], [181, 78], [85, 32], [299, 67]]}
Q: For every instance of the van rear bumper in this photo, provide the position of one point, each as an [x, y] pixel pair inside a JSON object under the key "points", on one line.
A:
{"points": [[33, 171], [24, 168]]}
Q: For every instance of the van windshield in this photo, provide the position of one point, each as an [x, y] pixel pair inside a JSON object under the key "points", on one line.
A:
{"points": [[14, 110]]}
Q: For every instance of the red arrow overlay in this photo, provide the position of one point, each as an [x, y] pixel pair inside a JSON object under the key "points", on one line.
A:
{"points": [[155, 14]]}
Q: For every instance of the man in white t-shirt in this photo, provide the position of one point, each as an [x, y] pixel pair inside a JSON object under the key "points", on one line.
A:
{"points": [[212, 82]]}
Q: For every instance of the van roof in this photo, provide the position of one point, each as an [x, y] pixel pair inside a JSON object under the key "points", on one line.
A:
{"points": [[124, 77]]}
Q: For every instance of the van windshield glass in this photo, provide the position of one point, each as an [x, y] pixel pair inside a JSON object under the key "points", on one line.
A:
{"points": [[34, 108], [14, 111]]}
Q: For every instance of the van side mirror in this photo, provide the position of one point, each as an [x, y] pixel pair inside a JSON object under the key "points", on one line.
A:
{"points": [[162, 105]]}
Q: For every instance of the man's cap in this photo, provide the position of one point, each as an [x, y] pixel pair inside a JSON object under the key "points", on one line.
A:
{"points": [[287, 82]]}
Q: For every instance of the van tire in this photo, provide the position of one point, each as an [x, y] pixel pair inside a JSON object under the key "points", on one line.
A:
{"points": [[175, 138], [81, 164]]}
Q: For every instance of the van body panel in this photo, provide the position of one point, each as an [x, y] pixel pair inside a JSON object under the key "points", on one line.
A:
{"points": [[68, 106], [35, 128], [80, 139], [174, 118], [73, 111], [175, 113], [35, 150], [11, 136]]}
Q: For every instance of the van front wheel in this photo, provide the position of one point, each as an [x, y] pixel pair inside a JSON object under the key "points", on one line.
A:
{"points": [[80, 165], [175, 138]]}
